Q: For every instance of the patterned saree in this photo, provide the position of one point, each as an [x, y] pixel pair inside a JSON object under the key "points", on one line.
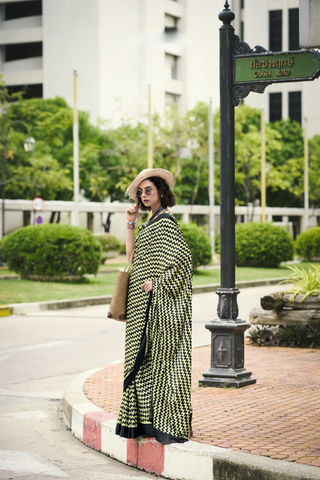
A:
{"points": [[156, 399]]}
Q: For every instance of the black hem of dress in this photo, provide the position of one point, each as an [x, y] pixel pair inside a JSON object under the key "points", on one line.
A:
{"points": [[142, 350], [147, 430]]}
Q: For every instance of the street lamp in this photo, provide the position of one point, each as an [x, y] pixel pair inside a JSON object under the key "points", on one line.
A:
{"points": [[29, 145]]}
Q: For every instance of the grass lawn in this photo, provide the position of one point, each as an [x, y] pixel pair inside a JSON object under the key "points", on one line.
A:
{"points": [[20, 291]]}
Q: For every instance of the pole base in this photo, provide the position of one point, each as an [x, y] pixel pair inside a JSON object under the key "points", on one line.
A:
{"points": [[227, 355], [227, 378], [226, 382]]}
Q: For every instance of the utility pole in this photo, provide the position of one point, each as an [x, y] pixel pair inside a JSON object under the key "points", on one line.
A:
{"points": [[150, 139], [306, 176], [211, 178], [75, 152], [263, 166]]}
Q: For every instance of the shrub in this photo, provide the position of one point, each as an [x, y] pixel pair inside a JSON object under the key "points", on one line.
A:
{"points": [[308, 243], [293, 335], [123, 249], [217, 242], [109, 242], [304, 282], [254, 334], [52, 250], [262, 245], [198, 242]]}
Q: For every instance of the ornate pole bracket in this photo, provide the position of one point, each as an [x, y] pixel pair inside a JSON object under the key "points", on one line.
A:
{"points": [[242, 91]]}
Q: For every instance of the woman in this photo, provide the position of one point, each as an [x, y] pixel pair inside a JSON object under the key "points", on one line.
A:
{"points": [[157, 372]]}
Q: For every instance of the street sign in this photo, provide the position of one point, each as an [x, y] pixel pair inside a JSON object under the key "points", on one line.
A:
{"points": [[39, 220], [38, 204], [269, 67]]}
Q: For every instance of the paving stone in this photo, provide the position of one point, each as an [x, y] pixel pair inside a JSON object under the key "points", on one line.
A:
{"points": [[278, 417]]}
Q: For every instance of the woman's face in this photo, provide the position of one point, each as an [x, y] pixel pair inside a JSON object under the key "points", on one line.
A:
{"points": [[149, 194]]}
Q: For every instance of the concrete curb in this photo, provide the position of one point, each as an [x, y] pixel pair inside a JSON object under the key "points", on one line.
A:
{"points": [[5, 310], [212, 287], [35, 307], [188, 461]]}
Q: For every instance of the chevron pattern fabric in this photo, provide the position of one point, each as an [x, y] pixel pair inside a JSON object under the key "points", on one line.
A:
{"points": [[157, 401]]}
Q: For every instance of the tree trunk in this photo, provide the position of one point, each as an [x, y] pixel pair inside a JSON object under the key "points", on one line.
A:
{"points": [[277, 301], [286, 316]]}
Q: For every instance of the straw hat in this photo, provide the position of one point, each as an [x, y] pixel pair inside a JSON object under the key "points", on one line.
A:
{"points": [[149, 172]]}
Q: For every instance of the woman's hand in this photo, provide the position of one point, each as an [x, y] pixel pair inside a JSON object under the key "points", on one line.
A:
{"points": [[147, 287], [132, 213]]}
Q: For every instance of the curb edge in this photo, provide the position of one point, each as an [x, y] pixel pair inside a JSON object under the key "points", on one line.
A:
{"points": [[35, 307], [188, 461]]}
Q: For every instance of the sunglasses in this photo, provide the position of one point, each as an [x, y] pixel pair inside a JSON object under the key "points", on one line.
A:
{"points": [[147, 191]]}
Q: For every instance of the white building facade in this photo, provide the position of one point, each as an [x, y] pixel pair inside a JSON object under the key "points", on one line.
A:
{"points": [[274, 24], [118, 47]]}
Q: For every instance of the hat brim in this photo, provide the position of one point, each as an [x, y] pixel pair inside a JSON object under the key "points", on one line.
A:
{"points": [[149, 172]]}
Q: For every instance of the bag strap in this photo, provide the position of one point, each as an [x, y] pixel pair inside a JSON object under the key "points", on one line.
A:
{"points": [[128, 266]]}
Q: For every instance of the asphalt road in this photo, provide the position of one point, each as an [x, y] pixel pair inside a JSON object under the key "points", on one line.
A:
{"points": [[39, 356]]}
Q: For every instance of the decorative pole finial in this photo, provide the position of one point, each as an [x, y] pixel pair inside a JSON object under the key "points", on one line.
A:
{"points": [[226, 16]]}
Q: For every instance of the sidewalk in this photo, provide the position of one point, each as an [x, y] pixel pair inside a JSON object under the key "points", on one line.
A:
{"points": [[270, 430]]}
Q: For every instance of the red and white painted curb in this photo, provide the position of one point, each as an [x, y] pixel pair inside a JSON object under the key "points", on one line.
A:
{"points": [[188, 461]]}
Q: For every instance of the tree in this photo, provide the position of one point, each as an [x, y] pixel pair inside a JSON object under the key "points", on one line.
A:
{"points": [[181, 146], [314, 171], [110, 158], [283, 152]]}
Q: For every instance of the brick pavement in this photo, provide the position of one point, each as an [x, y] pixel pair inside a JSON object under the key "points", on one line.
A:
{"points": [[278, 417]]}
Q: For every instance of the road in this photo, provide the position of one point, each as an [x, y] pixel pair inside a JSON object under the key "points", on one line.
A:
{"points": [[39, 356]]}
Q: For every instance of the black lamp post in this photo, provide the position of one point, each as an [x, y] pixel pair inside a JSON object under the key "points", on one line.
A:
{"points": [[227, 332]]}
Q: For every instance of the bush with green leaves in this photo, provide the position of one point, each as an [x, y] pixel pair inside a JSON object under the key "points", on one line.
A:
{"points": [[308, 243], [300, 336], [198, 242], [303, 282], [52, 250], [109, 243], [262, 245]]}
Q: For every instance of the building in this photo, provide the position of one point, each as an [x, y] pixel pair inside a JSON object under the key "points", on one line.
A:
{"points": [[275, 26], [118, 47]]}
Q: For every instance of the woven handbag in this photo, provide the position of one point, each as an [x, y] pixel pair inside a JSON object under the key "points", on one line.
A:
{"points": [[118, 305]]}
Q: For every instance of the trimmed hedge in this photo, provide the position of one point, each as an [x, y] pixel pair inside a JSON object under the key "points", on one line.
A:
{"points": [[55, 250], [109, 242], [262, 245], [308, 243], [198, 242]]}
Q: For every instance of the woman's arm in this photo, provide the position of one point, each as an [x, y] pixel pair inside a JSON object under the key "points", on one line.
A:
{"points": [[131, 216]]}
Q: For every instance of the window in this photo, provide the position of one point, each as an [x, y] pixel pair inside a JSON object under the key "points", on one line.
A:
{"points": [[295, 106], [242, 31], [22, 9], [29, 91], [242, 4], [294, 29], [275, 30], [170, 24], [275, 107], [19, 51], [171, 66], [170, 99]]}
